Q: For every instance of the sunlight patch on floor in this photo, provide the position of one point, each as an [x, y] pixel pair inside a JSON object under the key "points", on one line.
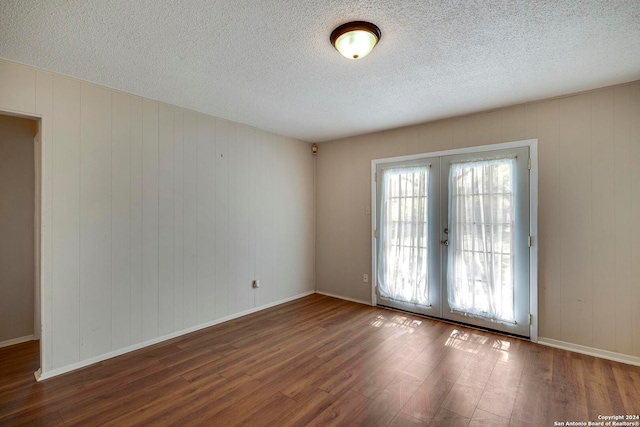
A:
{"points": [[478, 344], [396, 321]]}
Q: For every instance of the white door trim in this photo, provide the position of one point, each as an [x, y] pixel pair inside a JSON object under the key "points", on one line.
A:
{"points": [[533, 213], [37, 154]]}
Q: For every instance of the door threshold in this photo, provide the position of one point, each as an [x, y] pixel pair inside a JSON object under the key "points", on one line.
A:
{"points": [[453, 322]]}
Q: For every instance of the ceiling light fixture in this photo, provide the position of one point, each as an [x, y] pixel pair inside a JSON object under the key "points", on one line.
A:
{"points": [[354, 40]]}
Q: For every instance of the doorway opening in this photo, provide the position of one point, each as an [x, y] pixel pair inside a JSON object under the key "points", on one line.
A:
{"points": [[20, 249]]}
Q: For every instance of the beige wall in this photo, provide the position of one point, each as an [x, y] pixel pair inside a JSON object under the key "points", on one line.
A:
{"points": [[155, 218], [589, 207], [17, 188]]}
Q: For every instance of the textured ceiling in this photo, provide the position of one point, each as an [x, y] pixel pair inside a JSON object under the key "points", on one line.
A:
{"points": [[269, 63]]}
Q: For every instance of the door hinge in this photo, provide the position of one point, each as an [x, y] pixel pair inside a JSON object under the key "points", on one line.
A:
{"points": [[530, 318], [375, 233], [529, 164], [530, 242], [375, 176]]}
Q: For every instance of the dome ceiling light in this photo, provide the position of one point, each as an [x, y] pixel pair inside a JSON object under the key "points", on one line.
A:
{"points": [[354, 40]]}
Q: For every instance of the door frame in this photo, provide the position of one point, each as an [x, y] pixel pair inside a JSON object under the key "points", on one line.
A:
{"points": [[533, 214], [41, 236]]}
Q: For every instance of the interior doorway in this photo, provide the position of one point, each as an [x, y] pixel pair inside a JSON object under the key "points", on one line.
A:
{"points": [[20, 207]]}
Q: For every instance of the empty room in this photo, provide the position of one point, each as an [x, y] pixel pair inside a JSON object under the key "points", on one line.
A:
{"points": [[292, 213]]}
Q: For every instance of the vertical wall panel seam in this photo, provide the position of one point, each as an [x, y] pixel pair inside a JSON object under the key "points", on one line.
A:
{"points": [[315, 228], [230, 235], [173, 247], [630, 233], [175, 206], [50, 172], [197, 143], [52, 288], [559, 142], [158, 202], [615, 226], [173, 219], [229, 127], [590, 98], [182, 325], [214, 285], [142, 216], [250, 201], [630, 180], [229, 219], [80, 227], [254, 209], [111, 231], [130, 221], [628, 201], [141, 128]]}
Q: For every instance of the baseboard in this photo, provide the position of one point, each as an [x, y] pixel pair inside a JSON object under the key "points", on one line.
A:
{"points": [[15, 341], [40, 376], [590, 351], [344, 298]]}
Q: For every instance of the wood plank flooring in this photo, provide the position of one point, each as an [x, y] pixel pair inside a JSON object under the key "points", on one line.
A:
{"points": [[321, 361]]}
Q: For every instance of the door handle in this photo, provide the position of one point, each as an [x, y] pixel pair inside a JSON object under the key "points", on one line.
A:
{"points": [[445, 242]]}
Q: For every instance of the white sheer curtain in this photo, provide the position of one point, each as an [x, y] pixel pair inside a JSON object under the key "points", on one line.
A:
{"points": [[402, 257], [480, 254]]}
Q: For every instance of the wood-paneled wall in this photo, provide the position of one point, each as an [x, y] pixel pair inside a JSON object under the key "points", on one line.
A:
{"points": [[155, 218], [589, 207]]}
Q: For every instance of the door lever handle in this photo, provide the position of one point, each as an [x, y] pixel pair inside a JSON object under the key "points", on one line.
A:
{"points": [[445, 242]]}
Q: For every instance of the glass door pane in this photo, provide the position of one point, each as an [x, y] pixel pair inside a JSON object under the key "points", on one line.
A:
{"points": [[480, 268], [407, 228], [486, 259]]}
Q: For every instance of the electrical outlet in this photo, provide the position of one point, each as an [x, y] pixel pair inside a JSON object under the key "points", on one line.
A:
{"points": [[365, 278], [255, 284]]}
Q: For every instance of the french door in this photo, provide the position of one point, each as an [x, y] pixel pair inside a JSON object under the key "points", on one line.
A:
{"points": [[452, 237]]}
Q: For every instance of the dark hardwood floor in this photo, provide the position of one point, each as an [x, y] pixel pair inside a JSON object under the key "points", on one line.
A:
{"points": [[322, 361]]}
